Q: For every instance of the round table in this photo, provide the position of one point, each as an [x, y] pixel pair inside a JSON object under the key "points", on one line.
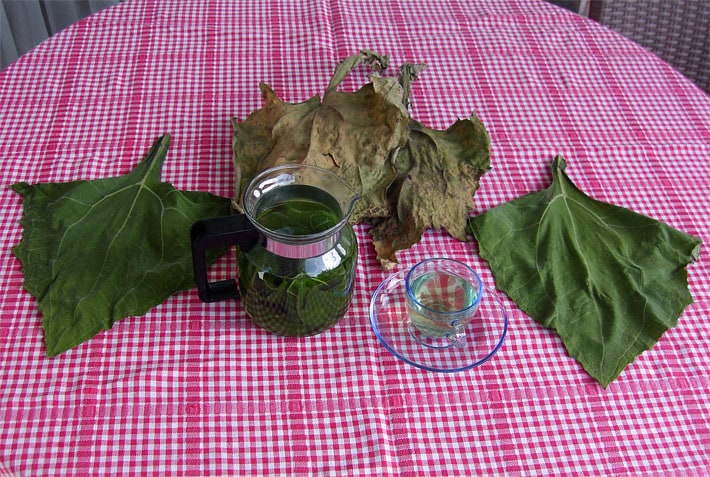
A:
{"points": [[196, 389]]}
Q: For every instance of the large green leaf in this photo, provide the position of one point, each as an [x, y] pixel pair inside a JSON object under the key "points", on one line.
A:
{"points": [[94, 252], [609, 281]]}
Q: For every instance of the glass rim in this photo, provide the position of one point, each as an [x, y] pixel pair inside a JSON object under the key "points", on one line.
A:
{"points": [[288, 172]]}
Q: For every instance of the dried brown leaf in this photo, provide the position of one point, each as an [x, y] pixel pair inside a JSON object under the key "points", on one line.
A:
{"points": [[410, 177]]}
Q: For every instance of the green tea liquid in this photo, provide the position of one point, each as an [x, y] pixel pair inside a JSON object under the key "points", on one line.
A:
{"points": [[442, 296]]}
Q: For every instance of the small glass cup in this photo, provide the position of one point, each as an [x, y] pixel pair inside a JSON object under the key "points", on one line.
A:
{"points": [[443, 296]]}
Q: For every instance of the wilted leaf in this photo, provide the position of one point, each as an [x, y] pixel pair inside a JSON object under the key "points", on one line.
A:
{"points": [[355, 134], [438, 173], [351, 134], [609, 281], [94, 252], [278, 133], [409, 177]]}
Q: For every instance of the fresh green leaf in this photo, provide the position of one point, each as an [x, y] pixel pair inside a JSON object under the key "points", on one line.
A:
{"points": [[609, 281], [94, 252]]}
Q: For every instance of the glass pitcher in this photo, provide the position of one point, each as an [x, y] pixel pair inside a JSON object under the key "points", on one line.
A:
{"points": [[296, 251]]}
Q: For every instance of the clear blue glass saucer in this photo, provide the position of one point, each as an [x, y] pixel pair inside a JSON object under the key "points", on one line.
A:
{"points": [[484, 334]]}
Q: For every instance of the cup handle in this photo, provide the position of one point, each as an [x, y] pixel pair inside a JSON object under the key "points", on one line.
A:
{"points": [[457, 337], [216, 233]]}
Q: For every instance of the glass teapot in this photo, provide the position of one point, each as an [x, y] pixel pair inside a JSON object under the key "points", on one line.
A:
{"points": [[296, 251]]}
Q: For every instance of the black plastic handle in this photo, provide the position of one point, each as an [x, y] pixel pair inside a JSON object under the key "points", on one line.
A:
{"points": [[215, 233]]}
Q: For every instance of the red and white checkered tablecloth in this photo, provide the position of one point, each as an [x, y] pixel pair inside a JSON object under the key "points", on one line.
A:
{"points": [[196, 389]]}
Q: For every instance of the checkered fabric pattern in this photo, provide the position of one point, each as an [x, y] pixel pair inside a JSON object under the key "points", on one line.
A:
{"points": [[196, 389]]}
